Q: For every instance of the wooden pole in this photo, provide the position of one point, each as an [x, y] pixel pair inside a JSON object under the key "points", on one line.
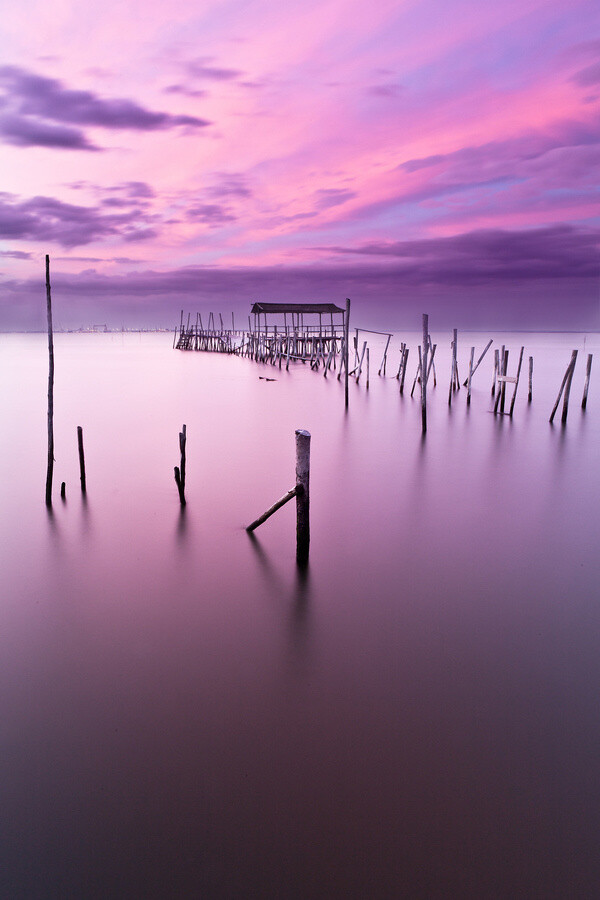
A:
{"points": [[564, 381], [424, 373], [383, 361], [50, 468], [487, 347], [471, 370], [346, 347], [404, 367], [530, 391], [81, 458], [367, 368], [273, 509], [302, 496], [63, 491], [568, 389], [588, 370], [518, 375], [180, 470]]}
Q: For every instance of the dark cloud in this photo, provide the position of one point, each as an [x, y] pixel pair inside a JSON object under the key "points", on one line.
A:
{"points": [[15, 254], [388, 89], [230, 185], [199, 68], [23, 132], [328, 197], [212, 214], [558, 251], [184, 90], [42, 109], [49, 220], [588, 76]]}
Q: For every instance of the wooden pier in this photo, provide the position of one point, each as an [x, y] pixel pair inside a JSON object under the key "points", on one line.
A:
{"points": [[277, 333]]}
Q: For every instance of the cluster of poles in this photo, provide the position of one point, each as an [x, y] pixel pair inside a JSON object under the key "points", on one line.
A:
{"points": [[328, 349]]}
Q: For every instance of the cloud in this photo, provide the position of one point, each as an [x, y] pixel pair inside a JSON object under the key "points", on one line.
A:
{"points": [[15, 254], [42, 112], [52, 221], [198, 68], [23, 132], [212, 214], [490, 255], [184, 90], [389, 89], [588, 76], [234, 185], [328, 197]]}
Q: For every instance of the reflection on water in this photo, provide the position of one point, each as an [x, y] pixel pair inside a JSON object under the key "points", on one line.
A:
{"points": [[186, 712]]}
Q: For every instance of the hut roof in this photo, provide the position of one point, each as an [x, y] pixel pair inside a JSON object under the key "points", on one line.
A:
{"points": [[296, 308]]}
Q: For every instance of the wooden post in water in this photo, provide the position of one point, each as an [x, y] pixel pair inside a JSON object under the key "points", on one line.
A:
{"points": [[383, 361], [475, 367], [180, 470], [63, 491], [454, 383], [346, 348], [424, 373], [50, 468], [81, 458], [367, 368], [470, 376], [563, 418], [568, 373], [302, 495], [588, 370], [518, 375], [530, 391]]}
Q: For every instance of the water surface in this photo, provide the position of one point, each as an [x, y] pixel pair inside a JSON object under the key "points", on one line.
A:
{"points": [[185, 714]]}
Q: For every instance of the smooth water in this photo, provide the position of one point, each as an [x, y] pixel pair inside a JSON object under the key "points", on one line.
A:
{"points": [[185, 714]]}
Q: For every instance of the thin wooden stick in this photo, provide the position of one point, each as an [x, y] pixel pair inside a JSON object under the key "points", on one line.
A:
{"points": [[419, 370], [367, 368], [180, 470], [530, 391], [568, 389], [346, 347], [562, 386], [404, 368], [496, 370], [81, 458], [50, 468], [431, 362], [514, 396], [470, 376], [487, 347], [588, 370], [424, 370], [383, 361], [273, 509], [302, 496]]}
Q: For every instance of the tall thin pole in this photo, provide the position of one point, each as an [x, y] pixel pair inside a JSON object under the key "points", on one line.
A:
{"points": [[424, 372], [81, 458], [346, 341], [50, 469], [302, 495]]}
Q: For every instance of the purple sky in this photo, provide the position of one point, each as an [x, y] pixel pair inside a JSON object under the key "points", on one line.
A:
{"points": [[415, 156]]}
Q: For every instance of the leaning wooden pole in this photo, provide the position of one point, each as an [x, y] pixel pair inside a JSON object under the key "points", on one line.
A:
{"points": [[586, 386], [50, 468], [81, 458], [424, 372], [568, 373], [302, 495], [180, 470]]}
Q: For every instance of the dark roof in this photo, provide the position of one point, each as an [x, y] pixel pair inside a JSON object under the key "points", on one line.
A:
{"points": [[296, 308]]}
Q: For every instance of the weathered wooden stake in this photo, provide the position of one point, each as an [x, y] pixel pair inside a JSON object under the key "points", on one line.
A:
{"points": [[81, 458], [383, 361], [367, 368], [273, 509], [180, 470], [346, 348], [496, 370], [424, 373], [50, 468], [63, 491], [568, 373], [530, 391], [487, 347], [518, 375], [470, 376], [563, 418], [302, 496], [588, 370]]}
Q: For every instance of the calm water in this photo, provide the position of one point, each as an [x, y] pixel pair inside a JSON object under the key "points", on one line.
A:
{"points": [[183, 714]]}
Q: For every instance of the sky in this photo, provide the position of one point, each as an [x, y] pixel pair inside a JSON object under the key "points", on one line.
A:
{"points": [[435, 156]]}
